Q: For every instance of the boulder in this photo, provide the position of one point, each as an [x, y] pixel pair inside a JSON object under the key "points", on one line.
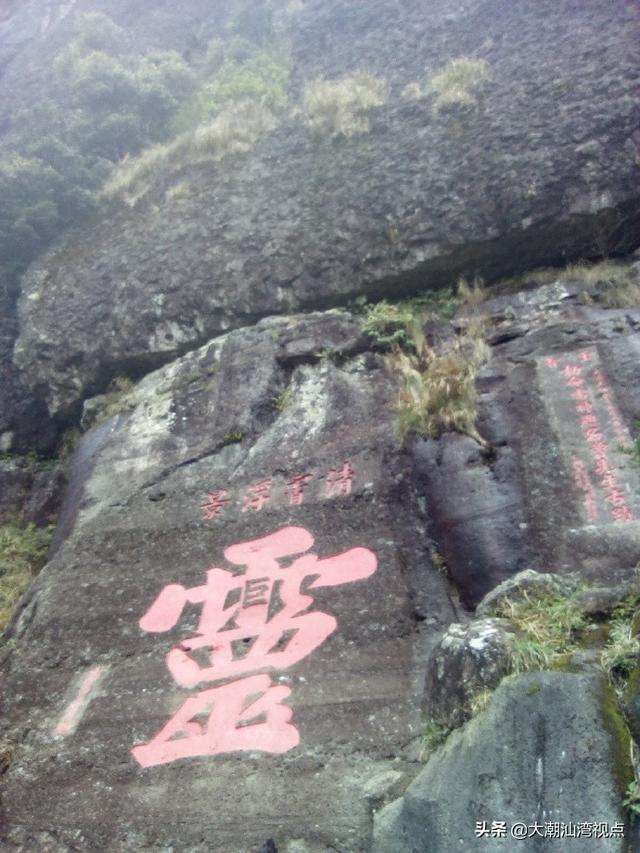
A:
{"points": [[468, 660], [548, 755]]}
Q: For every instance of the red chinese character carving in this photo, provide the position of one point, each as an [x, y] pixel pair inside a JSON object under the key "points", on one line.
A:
{"points": [[593, 435], [244, 714], [257, 496], [296, 487], [339, 480], [250, 621], [588, 421], [580, 394], [622, 513], [551, 361], [216, 502], [585, 355]]}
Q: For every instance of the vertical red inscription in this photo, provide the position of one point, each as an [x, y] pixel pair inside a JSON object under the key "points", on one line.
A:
{"points": [[600, 466]]}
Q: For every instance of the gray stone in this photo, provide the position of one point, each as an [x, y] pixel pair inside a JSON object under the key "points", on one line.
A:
{"points": [[467, 660], [546, 749], [527, 584]]}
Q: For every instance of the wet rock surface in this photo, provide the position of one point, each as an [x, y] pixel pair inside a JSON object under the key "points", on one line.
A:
{"points": [[304, 223]]}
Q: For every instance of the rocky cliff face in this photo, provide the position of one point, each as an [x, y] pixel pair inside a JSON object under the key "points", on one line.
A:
{"points": [[259, 595]]}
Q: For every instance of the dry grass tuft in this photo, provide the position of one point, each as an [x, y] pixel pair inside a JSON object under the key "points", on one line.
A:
{"points": [[340, 106], [235, 130], [455, 85], [621, 280], [438, 391], [471, 295]]}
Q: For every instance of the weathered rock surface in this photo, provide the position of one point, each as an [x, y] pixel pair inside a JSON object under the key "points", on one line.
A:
{"points": [[556, 401], [466, 661], [290, 424], [547, 749], [206, 459], [33, 493], [544, 169], [24, 422]]}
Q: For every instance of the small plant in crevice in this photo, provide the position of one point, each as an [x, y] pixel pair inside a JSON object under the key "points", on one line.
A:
{"points": [[481, 701], [621, 654], [387, 324], [631, 800], [233, 437], [634, 450], [549, 629], [433, 737], [7, 751], [438, 390]]}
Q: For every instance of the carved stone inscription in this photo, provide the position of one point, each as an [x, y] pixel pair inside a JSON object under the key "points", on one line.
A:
{"points": [[592, 434]]}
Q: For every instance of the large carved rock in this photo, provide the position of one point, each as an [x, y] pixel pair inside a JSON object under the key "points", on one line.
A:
{"points": [[543, 169], [266, 432]]}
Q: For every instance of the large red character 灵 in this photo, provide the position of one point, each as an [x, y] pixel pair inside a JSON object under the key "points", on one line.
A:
{"points": [[250, 622]]}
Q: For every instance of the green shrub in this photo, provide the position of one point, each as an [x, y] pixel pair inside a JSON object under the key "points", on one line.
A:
{"points": [[341, 106], [23, 552], [102, 101], [387, 323], [435, 735], [260, 78]]}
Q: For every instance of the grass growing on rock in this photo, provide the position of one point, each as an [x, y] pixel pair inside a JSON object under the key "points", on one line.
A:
{"points": [[622, 282], [23, 552], [456, 84], [621, 653], [235, 130], [438, 390], [437, 387], [434, 736], [549, 628], [341, 106]]}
